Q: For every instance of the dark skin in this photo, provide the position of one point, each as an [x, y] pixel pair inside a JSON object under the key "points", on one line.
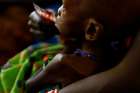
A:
{"points": [[112, 14], [72, 70], [124, 77], [69, 71]]}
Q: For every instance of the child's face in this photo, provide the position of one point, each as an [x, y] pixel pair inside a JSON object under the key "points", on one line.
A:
{"points": [[72, 19], [109, 13], [70, 16], [73, 14]]}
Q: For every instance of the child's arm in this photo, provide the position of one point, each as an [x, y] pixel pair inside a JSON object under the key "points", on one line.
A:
{"points": [[71, 68]]}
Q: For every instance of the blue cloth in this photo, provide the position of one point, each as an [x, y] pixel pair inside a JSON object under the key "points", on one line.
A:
{"points": [[53, 40]]}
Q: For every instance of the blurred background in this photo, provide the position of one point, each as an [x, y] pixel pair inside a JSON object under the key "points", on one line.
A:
{"points": [[14, 33]]}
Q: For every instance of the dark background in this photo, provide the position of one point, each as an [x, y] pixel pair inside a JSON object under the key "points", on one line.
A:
{"points": [[14, 33]]}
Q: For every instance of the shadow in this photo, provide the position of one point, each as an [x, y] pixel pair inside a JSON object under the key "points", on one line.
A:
{"points": [[14, 34]]}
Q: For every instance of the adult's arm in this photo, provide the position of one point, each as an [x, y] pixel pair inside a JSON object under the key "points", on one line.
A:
{"points": [[124, 78]]}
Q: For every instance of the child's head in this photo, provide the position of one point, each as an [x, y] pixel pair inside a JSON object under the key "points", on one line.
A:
{"points": [[116, 17], [111, 14]]}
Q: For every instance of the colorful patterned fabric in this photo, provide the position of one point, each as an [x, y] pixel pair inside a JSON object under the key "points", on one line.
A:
{"points": [[24, 65]]}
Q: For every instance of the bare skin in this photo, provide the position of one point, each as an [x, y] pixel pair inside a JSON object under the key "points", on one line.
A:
{"points": [[124, 77], [112, 14]]}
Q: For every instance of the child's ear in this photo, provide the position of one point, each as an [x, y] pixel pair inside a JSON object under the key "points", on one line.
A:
{"points": [[93, 29]]}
